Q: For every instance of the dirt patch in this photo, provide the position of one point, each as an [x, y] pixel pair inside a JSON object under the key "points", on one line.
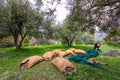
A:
{"points": [[111, 53]]}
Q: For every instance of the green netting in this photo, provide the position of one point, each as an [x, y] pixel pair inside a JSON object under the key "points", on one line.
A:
{"points": [[82, 58]]}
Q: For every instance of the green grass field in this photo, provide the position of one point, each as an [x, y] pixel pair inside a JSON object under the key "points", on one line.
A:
{"points": [[10, 58]]}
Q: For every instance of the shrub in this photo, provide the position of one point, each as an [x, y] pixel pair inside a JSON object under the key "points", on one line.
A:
{"points": [[6, 42], [84, 38], [35, 41]]}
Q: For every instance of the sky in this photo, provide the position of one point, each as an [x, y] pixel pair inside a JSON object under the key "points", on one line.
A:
{"points": [[61, 11]]}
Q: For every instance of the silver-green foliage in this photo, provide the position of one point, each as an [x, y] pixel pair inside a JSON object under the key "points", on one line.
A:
{"points": [[18, 19], [84, 38]]}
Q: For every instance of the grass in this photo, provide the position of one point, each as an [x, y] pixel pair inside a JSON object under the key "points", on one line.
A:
{"points": [[10, 58]]}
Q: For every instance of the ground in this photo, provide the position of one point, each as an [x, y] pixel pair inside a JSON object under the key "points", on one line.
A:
{"points": [[10, 58]]}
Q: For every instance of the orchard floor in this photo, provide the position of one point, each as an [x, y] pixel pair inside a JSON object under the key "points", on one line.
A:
{"points": [[10, 58]]}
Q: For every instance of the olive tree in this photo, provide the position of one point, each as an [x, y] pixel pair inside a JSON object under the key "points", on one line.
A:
{"points": [[18, 19]]}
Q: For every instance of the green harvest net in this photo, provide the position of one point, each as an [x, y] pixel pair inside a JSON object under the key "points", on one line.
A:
{"points": [[82, 58]]}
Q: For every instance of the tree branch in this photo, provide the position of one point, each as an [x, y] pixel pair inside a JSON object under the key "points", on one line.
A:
{"points": [[23, 38]]}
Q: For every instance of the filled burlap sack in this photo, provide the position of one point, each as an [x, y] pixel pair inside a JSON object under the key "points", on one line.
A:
{"points": [[30, 61], [57, 50], [61, 53], [72, 49], [63, 65], [48, 55], [69, 52], [79, 51]]}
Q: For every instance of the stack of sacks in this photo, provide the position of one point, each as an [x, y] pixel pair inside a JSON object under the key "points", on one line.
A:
{"points": [[31, 61], [48, 55], [63, 65]]}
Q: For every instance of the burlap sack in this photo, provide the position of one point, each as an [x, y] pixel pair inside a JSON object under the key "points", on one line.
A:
{"points": [[97, 62], [79, 51], [72, 49], [69, 52], [63, 65], [30, 61], [57, 50], [61, 53], [48, 55]]}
